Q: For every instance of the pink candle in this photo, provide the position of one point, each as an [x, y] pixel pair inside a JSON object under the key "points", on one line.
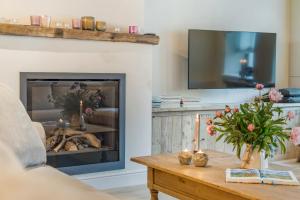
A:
{"points": [[133, 29], [35, 20], [196, 133], [76, 23]]}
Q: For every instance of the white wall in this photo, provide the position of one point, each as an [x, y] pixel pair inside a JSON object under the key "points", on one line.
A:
{"points": [[171, 19], [24, 54], [295, 44]]}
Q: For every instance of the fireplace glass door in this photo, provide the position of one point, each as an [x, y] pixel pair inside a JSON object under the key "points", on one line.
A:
{"points": [[81, 119]]}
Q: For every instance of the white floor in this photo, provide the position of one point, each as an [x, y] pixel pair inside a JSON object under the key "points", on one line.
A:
{"points": [[135, 193]]}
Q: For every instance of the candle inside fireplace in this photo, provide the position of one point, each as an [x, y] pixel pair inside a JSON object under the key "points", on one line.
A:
{"points": [[81, 105]]}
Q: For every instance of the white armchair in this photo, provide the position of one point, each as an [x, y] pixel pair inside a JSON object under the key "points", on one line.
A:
{"points": [[41, 131], [21, 147]]}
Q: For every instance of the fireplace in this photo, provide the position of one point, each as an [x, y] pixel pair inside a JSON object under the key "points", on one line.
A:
{"points": [[83, 116]]}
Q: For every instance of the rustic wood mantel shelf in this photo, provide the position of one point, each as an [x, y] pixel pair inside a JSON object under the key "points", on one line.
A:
{"points": [[35, 31]]}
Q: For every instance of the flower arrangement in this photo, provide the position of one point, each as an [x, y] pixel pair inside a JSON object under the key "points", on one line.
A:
{"points": [[258, 125], [70, 102]]}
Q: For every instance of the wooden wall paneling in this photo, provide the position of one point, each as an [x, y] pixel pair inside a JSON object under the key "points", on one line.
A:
{"points": [[187, 131], [156, 135], [166, 134], [177, 134]]}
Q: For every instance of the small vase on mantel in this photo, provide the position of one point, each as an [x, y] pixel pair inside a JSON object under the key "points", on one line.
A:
{"points": [[253, 159]]}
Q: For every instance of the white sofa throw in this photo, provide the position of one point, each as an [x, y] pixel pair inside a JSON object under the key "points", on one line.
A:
{"points": [[17, 131]]}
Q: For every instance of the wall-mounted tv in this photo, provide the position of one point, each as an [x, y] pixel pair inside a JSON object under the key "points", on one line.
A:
{"points": [[231, 59]]}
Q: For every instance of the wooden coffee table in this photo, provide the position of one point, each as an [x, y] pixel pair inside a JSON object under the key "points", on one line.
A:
{"points": [[166, 175]]}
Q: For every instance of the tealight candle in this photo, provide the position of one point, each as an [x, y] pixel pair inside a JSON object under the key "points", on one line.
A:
{"points": [[76, 23], [200, 159], [185, 157], [35, 20], [61, 123]]}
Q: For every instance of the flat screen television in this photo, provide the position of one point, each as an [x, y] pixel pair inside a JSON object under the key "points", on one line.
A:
{"points": [[231, 59]]}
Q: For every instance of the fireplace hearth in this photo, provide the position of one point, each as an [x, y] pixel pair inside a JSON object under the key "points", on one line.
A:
{"points": [[83, 116]]}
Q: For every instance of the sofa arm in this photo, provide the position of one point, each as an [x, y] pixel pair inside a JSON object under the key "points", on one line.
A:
{"points": [[41, 131]]}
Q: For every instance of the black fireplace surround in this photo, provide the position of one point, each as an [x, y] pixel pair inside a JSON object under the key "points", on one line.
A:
{"points": [[83, 115]]}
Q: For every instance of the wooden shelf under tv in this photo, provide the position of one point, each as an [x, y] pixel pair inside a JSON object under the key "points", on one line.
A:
{"points": [[36, 31]]}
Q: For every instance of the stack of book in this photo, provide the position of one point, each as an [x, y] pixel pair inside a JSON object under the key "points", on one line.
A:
{"points": [[156, 102], [174, 101], [190, 101]]}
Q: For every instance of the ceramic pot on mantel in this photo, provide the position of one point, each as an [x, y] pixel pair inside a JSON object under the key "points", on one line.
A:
{"points": [[252, 159]]}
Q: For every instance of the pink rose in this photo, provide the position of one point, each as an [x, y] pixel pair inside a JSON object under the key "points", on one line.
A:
{"points": [[236, 110], [227, 109], [295, 136], [210, 130], [251, 127], [275, 96], [209, 121], [219, 114], [290, 115], [259, 86], [88, 111]]}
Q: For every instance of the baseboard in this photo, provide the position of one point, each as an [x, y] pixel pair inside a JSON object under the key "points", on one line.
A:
{"points": [[115, 179]]}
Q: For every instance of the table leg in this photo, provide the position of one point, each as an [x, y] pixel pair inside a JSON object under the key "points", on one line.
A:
{"points": [[154, 194]]}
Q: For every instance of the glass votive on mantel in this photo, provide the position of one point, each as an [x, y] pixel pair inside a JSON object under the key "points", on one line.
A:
{"points": [[133, 29], [67, 26], [45, 21], [35, 20], [76, 23], [88, 23], [200, 159], [185, 157], [100, 26]]}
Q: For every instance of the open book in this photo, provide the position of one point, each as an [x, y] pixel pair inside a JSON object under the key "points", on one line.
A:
{"points": [[261, 176]]}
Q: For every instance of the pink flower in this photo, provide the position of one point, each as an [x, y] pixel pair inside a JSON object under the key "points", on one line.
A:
{"points": [[275, 96], [290, 115], [219, 114], [295, 136], [227, 109], [236, 110], [251, 127], [209, 121], [210, 130], [88, 111], [259, 86]]}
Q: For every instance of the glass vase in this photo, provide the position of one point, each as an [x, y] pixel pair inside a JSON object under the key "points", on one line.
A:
{"points": [[253, 159]]}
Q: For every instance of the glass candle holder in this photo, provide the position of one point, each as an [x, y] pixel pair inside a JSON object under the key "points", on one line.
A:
{"points": [[200, 159], [76, 23], [45, 21], [35, 20], [133, 29], [185, 157], [88, 23], [100, 26]]}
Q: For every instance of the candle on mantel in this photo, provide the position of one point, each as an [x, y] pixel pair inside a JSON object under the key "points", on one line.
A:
{"points": [[196, 134], [185, 157], [81, 105], [200, 159]]}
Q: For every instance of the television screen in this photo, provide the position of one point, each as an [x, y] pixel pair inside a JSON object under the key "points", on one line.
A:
{"points": [[230, 59]]}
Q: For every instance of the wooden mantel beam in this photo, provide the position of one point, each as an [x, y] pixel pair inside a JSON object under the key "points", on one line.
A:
{"points": [[36, 31]]}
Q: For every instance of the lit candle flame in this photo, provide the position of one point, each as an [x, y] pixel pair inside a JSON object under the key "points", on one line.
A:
{"points": [[200, 151], [185, 150], [81, 102]]}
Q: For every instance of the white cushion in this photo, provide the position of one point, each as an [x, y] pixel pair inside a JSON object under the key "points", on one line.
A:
{"points": [[9, 163], [17, 131]]}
